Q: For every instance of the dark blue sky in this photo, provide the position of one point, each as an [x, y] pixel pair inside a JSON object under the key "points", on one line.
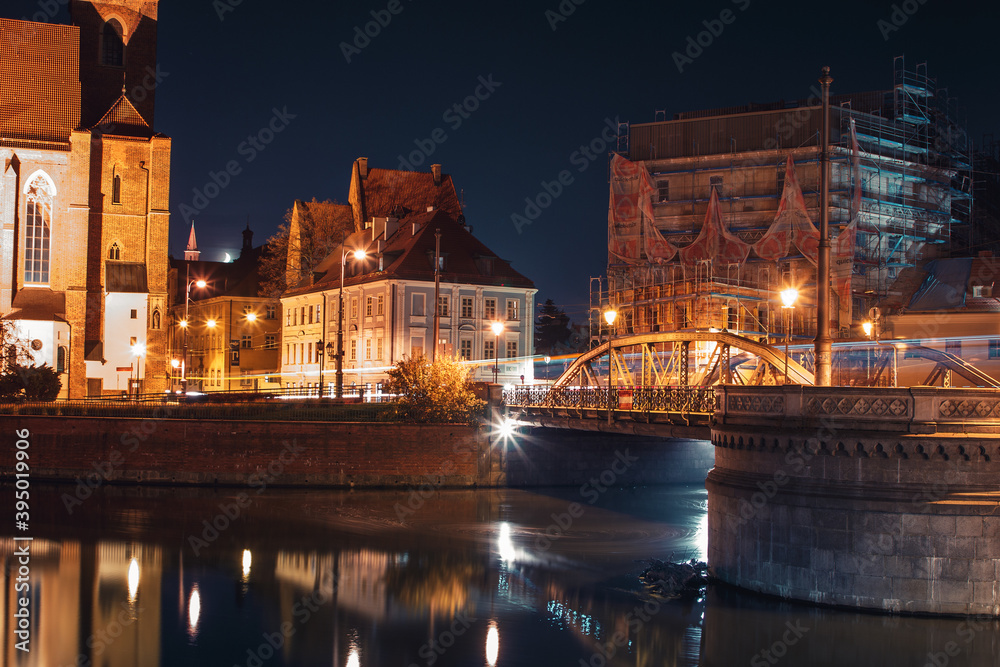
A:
{"points": [[225, 72]]}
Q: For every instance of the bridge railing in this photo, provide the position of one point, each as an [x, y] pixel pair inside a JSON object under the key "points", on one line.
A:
{"points": [[623, 398]]}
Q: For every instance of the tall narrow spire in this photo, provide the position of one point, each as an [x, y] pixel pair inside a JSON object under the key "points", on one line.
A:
{"points": [[191, 253]]}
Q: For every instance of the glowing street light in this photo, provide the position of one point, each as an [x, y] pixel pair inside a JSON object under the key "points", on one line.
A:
{"points": [[610, 315], [497, 327], [788, 298], [358, 255], [211, 324], [200, 284]]}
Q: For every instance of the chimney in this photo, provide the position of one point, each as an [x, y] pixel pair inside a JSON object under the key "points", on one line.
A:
{"points": [[363, 167], [436, 171]]}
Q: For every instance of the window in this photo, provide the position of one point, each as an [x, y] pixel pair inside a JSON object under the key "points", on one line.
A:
{"points": [[379, 348], [309, 354], [115, 251], [245, 342], [715, 183], [953, 347], [368, 350], [982, 290], [511, 349], [270, 312], [288, 319], [490, 309], [511, 309], [417, 307], [994, 348], [116, 189], [61, 359], [270, 341], [663, 191], [246, 380], [295, 317], [354, 350], [466, 306], [465, 349], [443, 306], [489, 349], [354, 308], [380, 305], [132, 340], [311, 312], [37, 230], [133, 314], [113, 45], [369, 302]]}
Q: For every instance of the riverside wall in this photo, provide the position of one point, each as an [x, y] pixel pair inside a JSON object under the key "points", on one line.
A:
{"points": [[883, 499]]}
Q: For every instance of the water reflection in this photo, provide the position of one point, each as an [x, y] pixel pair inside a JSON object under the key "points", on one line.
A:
{"points": [[336, 574]]}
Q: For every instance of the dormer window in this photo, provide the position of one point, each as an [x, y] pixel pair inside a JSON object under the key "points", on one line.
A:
{"points": [[113, 44]]}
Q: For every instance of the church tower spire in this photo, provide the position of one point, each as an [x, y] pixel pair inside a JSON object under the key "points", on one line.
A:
{"points": [[191, 252]]}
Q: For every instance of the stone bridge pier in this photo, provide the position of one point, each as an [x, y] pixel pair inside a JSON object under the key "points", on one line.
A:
{"points": [[875, 498]]}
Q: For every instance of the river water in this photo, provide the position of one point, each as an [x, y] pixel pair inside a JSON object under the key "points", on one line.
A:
{"points": [[232, 577]]}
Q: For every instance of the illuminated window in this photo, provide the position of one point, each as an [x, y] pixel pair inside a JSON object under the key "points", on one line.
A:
{"points": [[490, 309], [379, 348], [37, 232], [511, 349], [368, 350], [489, 349], [270, 341], [465, 349], [380, 305], [354, 350], [369, 304], [466, 306], [354, 308], [270, 312], [245, 343], [113, 45], [511, 309]]}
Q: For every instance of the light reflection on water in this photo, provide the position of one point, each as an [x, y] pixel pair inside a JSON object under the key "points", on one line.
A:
{"points": [[346, 578]]}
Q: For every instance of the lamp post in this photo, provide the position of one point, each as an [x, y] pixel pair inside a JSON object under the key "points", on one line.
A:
{"points": [[788, 297], [867, 326], [358, 255], [138, 350], [210, 324], [609, 316], [200, 284], [497, 327]]}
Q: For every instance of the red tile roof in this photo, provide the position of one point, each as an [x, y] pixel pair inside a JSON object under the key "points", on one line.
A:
{"points": [[410, 256], [122, 119], [399, 194]]}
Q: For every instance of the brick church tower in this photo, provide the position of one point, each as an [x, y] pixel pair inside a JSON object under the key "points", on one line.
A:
{"points": [[84, 196]]}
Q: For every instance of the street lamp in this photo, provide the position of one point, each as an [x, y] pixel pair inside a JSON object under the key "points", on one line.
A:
{"points": [[868, 328], [358, 255], [497, 327], [609, 316], [200, 284], [139, 349], [788, 298]]}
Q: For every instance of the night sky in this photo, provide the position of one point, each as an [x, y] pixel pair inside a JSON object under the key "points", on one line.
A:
{"points": [[555, 80]]}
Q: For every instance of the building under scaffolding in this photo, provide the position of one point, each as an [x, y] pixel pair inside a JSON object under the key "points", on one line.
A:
{"points": [[905, 185]]}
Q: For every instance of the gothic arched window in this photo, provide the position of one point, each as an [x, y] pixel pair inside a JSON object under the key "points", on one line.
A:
{"points": [[116, 189], [112, 44], [115, 252], [37, 231]]}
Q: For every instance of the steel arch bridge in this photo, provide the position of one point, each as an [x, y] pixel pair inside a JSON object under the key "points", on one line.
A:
{"points": [[669, 378]]}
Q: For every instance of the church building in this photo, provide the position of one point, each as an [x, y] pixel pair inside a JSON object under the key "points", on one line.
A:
{"points": [[84, 187]]}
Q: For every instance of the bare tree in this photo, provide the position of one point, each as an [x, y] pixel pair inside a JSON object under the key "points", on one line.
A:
{"points": [[310, 232]]}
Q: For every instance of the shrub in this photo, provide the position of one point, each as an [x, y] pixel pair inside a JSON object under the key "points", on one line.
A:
{"points": [[438, 391]]}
